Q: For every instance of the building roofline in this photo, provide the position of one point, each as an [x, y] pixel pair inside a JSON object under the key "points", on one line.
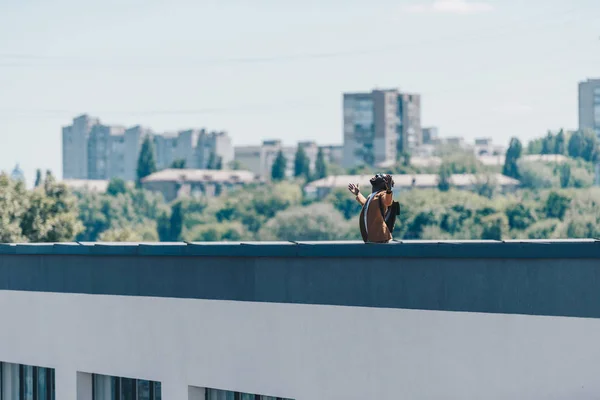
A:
{"points": [[489, 249]]}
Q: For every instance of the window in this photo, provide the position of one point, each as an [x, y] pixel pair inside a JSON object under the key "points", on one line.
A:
{"points": [[26, 382], [117, 388], [215, 394]]}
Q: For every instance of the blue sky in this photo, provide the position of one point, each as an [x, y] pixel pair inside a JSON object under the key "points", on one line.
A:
{"points": [[277, 68]]}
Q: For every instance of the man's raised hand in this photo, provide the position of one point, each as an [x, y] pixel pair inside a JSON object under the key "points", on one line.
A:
{"points": [[353, 189]]}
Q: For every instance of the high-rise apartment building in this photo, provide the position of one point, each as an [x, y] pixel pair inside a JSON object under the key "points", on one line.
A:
{"points": [[75, 147], [92, 150], [380, 124], [589, 105], [106, 152]]}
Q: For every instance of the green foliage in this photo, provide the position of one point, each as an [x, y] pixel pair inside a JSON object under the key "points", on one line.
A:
{"points": [[223, 231], [38, 177], [565, 175], [556, 205], [146, 161], [315, 222], [13, 203], [116, 186], [178, 164], [583, 144], [214, 161], [512, 157], [537, 175], [301, 164], [444, 183], [320, 165], [344, 202], [495, 226], [520, 216], [279, 167]]}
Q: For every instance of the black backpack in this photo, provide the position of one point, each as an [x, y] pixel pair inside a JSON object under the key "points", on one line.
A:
{"points": [[390, 216]]}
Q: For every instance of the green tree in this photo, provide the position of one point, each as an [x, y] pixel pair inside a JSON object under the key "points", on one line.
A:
{"points": [[565, 175], [560, 143], [548, 144], [279, 167], [120, 235], [556, 205], [146, 161], [315, 222], [116, 186], [13, 204], [495, 226], [444, 178], [520, 216], [38, 177], [214, 161], [178, 164], [301, 164], [576, 145], [512, 157], [176, 222], [344, 202], [51, 215], [163, 227], [223, 231], [535, 146], [320, 165], [584, 144]]}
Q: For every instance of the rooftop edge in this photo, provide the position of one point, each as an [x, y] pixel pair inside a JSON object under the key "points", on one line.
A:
{"points": [[509, 249]]}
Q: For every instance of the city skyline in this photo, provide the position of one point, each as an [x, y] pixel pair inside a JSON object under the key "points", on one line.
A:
{"points": [[484, 68]]}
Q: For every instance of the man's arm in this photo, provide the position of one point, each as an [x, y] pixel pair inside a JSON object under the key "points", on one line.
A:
{"points": [[388, 195], [359, 197]]}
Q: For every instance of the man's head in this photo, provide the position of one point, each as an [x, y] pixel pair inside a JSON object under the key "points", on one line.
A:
{"points": [[380, 182]]}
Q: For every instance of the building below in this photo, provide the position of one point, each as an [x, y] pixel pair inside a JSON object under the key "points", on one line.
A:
{"points": [[92, 150], [322, 187], [174, 183], [304, 320], [379, 125], [589, 105], [260, 159]]}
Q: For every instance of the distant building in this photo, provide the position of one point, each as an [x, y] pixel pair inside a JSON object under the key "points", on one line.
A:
{"points": [[75, 147], [17, 174], [333, 154], [379, 124], [322, 187], [589, 105], [174, 183], [106, 152], [260, 159], [430, 135], [92, 150]]}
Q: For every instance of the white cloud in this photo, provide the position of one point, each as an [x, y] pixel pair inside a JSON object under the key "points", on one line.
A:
{"points": [[452, 7]]}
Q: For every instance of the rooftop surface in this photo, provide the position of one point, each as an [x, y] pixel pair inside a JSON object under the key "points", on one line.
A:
{"points": [[510, 249]]}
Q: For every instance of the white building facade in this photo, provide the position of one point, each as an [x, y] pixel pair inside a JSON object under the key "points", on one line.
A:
{"points": [[302, 321], [92, 150]]}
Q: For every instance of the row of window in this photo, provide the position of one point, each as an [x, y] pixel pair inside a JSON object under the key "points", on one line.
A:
{"points": [[117, 388], [215, 394], [25, 382]]}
